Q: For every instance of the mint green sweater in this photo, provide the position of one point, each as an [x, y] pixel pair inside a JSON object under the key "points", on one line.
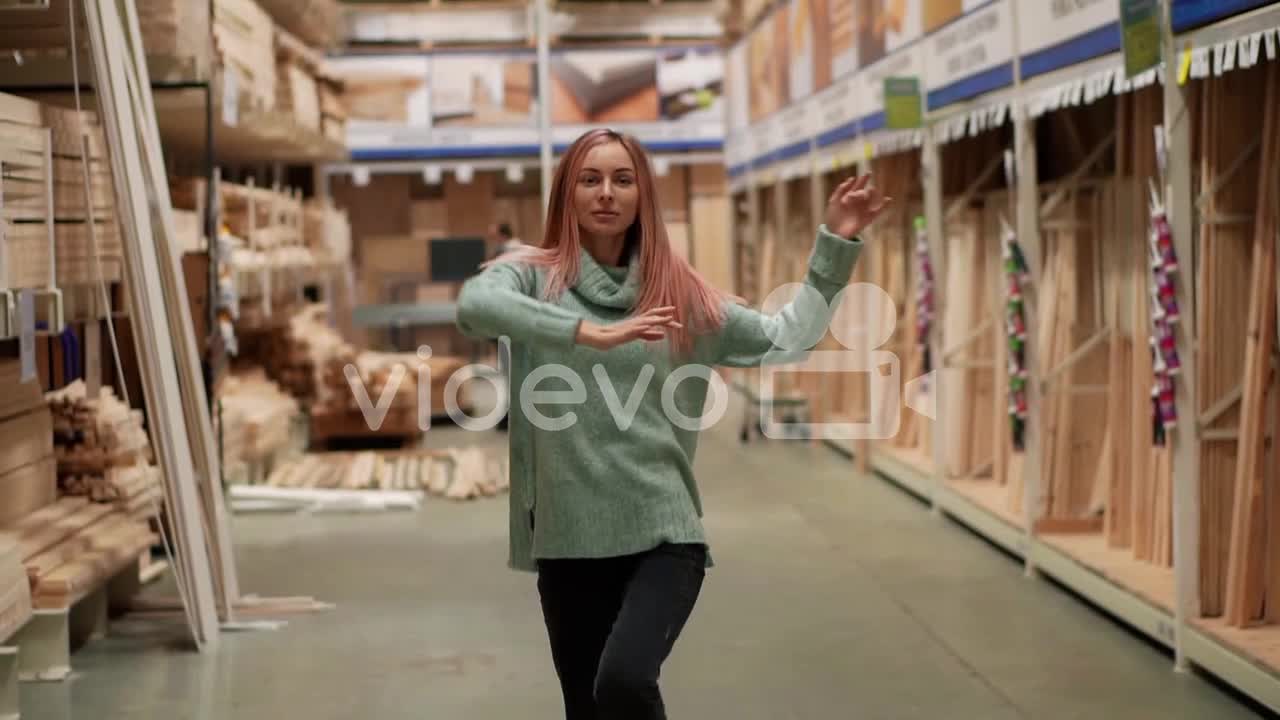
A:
{"points": [[607, 485]]}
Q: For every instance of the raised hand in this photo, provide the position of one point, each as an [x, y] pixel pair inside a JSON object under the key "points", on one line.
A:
{"points": [[854, 205], [651, 325]]}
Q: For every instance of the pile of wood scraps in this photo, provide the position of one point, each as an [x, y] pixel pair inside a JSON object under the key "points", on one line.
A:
{"points": [[390, 380], [377, 481], [257, 417], [284, 355], [103, 451], [73, 546]]}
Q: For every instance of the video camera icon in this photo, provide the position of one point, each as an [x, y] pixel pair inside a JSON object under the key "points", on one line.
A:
{"points": [[862, 318]]}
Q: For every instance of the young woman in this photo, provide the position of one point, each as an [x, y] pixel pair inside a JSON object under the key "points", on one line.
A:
{"points": [[612, 338]]}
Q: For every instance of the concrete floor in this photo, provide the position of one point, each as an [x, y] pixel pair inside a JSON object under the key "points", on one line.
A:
{"points": [[835, 596]]}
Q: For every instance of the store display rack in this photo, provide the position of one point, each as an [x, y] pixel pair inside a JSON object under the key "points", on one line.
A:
{"points": [[1156, 594]]}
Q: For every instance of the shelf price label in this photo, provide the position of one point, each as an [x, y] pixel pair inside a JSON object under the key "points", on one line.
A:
{"points": [[1140, 24], [902, 103]]}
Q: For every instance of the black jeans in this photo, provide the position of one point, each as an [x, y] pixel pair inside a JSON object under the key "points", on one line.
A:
{"points": [[612, 623]]}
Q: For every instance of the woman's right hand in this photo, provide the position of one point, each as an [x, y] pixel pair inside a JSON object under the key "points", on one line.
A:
{"points": [[651, 325]]}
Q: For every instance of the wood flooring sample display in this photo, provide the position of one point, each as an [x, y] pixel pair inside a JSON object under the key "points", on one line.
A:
{"points": [[472, 90], [599, 86]]}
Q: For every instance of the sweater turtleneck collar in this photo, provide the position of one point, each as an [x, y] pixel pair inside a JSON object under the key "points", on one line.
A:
{"points": [[615, 287]]}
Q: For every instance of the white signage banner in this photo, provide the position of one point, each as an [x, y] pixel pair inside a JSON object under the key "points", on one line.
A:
{"points": [[1045, 24], [837, 105], [739, 89], [973, 44], [762, 137], [795, 124]]}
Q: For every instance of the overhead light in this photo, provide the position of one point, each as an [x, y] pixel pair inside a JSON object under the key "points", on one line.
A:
{"points": [[464, 173], [515, 173], [431, 174], [360, 176]]}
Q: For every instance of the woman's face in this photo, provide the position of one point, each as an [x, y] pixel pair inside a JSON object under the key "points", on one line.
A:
{"points": [[606, 194]]}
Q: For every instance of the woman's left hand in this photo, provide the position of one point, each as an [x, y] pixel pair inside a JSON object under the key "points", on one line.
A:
{"points": [[854, 205]]}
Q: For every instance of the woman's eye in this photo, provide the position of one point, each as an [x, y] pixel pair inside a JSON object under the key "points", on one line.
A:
{"points": [[625, 180], [590, 180]]}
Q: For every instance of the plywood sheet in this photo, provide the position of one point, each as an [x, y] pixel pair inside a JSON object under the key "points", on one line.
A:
{"points": [[712, 246]]}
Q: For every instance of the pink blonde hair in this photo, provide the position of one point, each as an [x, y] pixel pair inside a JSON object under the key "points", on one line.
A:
{"points": [[665, 278]]}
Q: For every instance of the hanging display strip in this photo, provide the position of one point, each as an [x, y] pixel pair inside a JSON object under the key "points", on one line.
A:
{"points": [[974, 122], [1017, 278], [1236, 53], [888, 142]]}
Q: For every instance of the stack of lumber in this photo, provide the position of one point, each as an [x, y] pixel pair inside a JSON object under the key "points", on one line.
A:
{"points": [[1226, 262], [32, 178], [968, 337], [38, 29], [390, 380], [297, 87], [76, 247], [1135, 473], [452, 473], [244, 37], [1074, 361], [73, 546], [293, 351], [24, 209], [891, 266], [103, 451], [28, 469], [257, 416], [327, 232], [1252, 587], [315, 22], [15, 590], [175, 30], [968, 314]]}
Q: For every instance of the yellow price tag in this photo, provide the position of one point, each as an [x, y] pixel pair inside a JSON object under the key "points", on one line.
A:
{"points": [[868, 150], [835, 162], [1184, 66]]}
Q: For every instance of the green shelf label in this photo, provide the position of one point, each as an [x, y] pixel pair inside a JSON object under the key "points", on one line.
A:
{"points": [[1140, 23], [902, 103]]}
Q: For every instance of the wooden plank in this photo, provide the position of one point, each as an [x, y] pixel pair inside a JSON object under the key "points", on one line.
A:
{"points": [[1246, 572], [142, 188], [40, 539], [26, 489]]}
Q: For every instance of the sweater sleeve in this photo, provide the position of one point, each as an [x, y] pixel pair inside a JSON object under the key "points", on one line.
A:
{"points": [[752, 338], [500, 302]]}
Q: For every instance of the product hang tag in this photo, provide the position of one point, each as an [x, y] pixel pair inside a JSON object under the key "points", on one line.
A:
{"points": [[1184, 66], [1229, 57], [27, 334], [1010, 175]]}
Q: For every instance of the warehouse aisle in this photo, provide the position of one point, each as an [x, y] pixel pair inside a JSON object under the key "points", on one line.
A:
{"points": [[835, 596]]}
